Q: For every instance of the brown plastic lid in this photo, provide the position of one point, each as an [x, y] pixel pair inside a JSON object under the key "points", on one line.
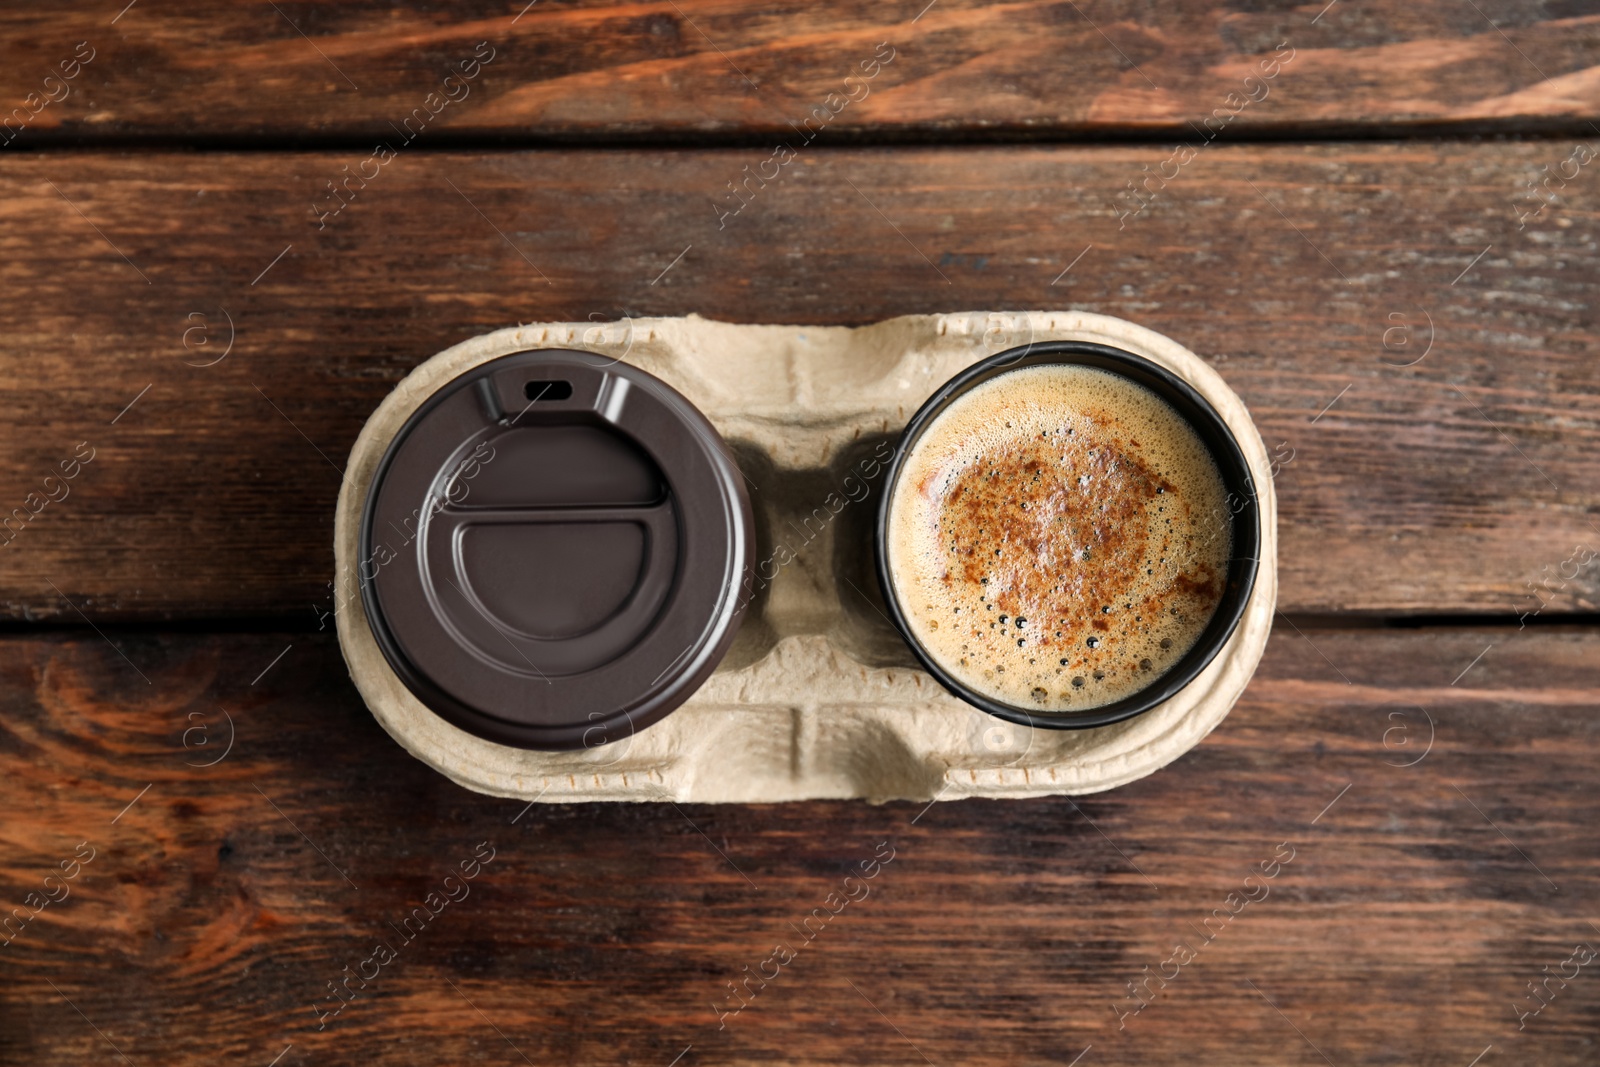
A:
{"points": [[553, 548]]}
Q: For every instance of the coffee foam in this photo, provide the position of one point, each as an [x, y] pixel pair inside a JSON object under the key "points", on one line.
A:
{"points": [[1031, 505]]}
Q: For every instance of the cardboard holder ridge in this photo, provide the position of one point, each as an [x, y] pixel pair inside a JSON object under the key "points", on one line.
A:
{"points": [[819, 696]]}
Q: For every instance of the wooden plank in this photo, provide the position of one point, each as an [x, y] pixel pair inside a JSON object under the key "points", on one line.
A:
{"points": [[1435, 871], [1307, 275], [697, 67]]}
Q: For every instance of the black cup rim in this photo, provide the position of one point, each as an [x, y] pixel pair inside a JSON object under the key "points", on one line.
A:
{"points": [[1242, 499]]}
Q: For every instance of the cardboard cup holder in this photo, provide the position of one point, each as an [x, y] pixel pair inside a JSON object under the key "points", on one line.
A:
{"points": [[806, 690]]}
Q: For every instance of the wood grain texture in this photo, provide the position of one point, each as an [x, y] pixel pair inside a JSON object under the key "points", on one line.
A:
{"points": [[1418, 903], [697, 67], [1309, 276]]}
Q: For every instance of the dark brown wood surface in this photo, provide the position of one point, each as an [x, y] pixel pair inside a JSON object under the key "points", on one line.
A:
{"points": [[230, 70], [1405, 303], [1308, 275], [1434, 873]]}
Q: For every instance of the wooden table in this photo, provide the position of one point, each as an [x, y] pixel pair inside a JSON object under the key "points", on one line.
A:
{"points": [[1376, 219]]}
